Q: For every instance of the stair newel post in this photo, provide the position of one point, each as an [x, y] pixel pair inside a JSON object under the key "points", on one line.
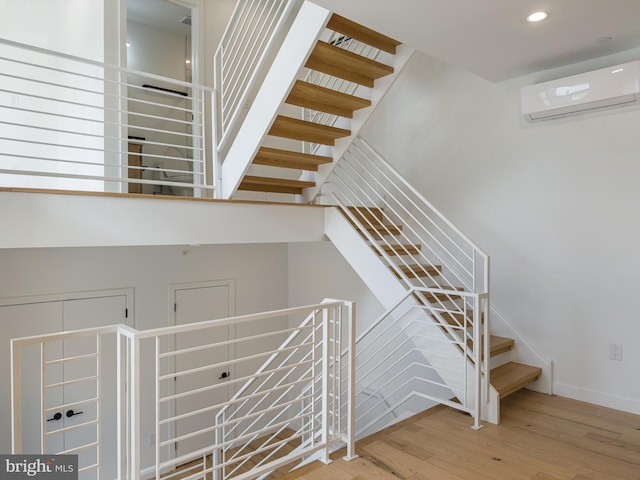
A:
{"points": [[326, 365], [351, 393], [477, 359], [485, 347], [215, 457], [135, 411], [215, 143]]}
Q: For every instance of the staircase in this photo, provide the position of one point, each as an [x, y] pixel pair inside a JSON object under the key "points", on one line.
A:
{"points": [[299, 141], [399, 250], [333, 85], [507, 378]]}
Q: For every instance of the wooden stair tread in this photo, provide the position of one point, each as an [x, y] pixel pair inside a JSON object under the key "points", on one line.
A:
{"points": [[435, 297], [371, 213], [274, 185], [366, 35], [315, 97], [512, 376], [398, 249], [381, 228], [340, 63], [498, 345], [274, 157], [297, 129], [417, 271]]}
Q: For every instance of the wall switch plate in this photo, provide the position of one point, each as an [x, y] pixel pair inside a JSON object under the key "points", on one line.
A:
{"points": [[615, 352]]}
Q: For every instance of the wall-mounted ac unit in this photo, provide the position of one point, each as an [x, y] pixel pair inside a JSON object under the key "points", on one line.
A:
{"points": [[604, 88]]}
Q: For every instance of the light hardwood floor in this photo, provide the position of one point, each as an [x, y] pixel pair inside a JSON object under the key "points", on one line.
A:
{"points": [[541, 437]]}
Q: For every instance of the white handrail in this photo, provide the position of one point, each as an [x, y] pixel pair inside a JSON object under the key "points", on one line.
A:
{"points": [[68, 126], [396, 354], [255, 33], [363, 178], [406, 185], [271, 410]]}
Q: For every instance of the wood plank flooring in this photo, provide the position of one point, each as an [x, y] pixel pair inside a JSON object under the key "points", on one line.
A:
{"points": [[541, 437]]}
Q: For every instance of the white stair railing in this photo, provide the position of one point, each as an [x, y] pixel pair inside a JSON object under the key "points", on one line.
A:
{"points": [[297, 401], [394, 379], [248, 44], [442, 271], [363, 179], [70, 123], [293, 401]]}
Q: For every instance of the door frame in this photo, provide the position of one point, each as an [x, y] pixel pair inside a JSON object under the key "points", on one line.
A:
{"points": [[127, 292], [171, 321]]}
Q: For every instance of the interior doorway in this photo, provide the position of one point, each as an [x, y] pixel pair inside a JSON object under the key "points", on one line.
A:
{"points": [[160, 41], [199, 302], [76, 424]]}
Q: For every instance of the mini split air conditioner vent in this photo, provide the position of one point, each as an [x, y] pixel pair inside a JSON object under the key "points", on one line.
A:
{"points": [[605, 88]]}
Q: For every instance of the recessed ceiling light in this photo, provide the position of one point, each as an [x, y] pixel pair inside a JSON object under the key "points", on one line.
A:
{"points": [[537, 16]]}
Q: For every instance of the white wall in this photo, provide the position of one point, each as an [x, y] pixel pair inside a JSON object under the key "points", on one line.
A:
{"points": [[158, 51], [73, 27], [318, 271], [554, 204], [259, 271]]}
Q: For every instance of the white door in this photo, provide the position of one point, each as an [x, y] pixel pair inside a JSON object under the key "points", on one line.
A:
{"points": [[84, 410], [196, 305], [73, 404], [22, 321]]}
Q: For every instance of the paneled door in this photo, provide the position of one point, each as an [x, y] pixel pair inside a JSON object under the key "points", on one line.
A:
{"points": [[80, 403], [198, 303]]}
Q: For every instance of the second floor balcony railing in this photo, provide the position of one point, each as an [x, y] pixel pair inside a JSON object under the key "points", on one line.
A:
{"points": [[69, 123]]}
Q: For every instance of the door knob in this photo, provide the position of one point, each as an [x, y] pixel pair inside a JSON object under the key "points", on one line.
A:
{"points": [[56, 417], [70, 413]]}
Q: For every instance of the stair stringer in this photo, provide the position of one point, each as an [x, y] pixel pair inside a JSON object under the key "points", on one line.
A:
{"points": [[388, 289], [307, 27], [360, 117]]}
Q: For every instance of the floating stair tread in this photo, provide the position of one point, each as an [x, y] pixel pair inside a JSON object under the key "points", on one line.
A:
{"points": [[498, 345], [366, 35], [274, 157], [372, 213], [512, 376], [297, 129], [416, 270], [398, 249], [435, 297], [340, 63], [381, 228], [274, 185], [315, 97]]}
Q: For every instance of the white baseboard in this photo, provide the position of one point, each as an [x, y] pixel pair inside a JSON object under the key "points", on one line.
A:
{"points": [[608, 400], [147, 473]]}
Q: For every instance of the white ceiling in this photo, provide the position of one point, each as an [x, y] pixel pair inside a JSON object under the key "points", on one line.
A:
{"points": [[491, 37], [159, 13]]}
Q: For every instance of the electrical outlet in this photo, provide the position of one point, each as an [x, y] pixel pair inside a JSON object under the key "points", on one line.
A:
{"points": [[152, 438], [615, 352]]}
